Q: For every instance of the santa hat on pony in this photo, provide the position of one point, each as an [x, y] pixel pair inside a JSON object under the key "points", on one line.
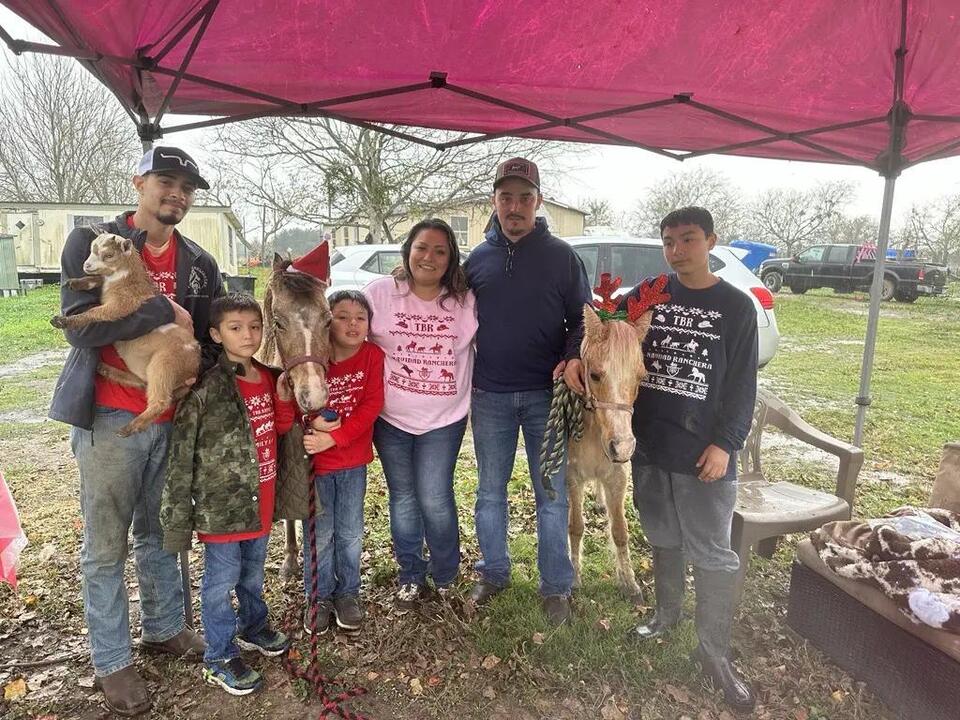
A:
{"points": [[315, 263]]}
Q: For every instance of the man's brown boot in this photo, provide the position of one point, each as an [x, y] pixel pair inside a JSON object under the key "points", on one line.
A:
{"points": [[125, 692], [185, 644]]}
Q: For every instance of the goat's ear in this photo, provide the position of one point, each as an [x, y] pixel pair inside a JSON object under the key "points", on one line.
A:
{"points": [[126, 246], [642, 324], [277, 262], [592, 324]]}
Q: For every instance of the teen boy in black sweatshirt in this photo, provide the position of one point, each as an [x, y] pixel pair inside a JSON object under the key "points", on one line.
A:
{"points": [[693, 413]]}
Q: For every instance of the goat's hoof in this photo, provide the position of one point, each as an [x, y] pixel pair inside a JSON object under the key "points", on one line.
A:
{"points": [[58, 321]]}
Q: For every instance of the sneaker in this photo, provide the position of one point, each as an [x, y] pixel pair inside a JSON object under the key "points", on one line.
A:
{"points": [[324, 616], [267, 642], [409, 596], [349, 613], [234, 676]]}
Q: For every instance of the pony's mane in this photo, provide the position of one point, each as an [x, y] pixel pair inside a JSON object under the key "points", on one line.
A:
{"points": [[298, 284]]}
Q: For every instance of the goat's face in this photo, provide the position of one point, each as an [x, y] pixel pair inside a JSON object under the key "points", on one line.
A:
{"points": [[108, 254], [613, 361]]}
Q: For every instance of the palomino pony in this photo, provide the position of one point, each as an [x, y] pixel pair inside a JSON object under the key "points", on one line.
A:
{"points": [[613, 370], [297, 339]]}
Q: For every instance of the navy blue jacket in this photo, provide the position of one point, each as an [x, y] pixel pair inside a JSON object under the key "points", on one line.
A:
{"points": [[198, 285], [530, 297]]}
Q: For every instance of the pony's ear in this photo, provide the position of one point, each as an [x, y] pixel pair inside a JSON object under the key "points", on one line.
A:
{"points": [[278, 262], [642, 324], [592, 324]]}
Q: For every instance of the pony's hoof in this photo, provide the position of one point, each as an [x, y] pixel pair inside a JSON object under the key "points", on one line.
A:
{"points": [[289, 570], [632, 593]]}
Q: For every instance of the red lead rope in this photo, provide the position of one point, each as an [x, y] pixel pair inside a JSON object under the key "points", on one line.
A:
{"points": [[312, 674]]}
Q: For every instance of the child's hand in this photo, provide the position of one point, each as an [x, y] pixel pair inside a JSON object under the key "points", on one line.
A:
{"points": [[318, 423], [317, 442], [283, 388], [713, 463]]}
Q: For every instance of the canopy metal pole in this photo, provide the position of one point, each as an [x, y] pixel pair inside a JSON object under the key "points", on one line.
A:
{"points": [[873, 317]]}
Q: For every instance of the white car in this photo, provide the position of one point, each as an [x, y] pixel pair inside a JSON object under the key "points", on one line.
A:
{"points": [[353, 266], [635, 259]]}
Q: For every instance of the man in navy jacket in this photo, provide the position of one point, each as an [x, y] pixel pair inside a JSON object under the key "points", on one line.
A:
{"points": [[531, 288]]}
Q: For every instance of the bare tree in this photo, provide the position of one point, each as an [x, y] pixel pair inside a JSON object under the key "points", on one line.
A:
{"points": [[856, 230], [791, 218], [332, 173], [598, 211], [697, 186], [63, 136], [258, 191], [934, 228]]}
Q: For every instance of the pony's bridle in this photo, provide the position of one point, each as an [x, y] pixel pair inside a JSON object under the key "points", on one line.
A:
{"points": [[590, 401]]}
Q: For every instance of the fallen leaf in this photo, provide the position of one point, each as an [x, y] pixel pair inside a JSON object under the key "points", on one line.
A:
{"points": [[489, 693], [837, 696], [30, 601], [433, 681], [490, 662], [85, 682], [602, 624], [415, 687], [678, 694], [15, 690], [800, 714], [610, 711], [537, 638], [294, 654], [371, 676]]}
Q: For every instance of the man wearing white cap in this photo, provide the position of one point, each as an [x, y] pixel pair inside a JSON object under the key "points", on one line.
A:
{"points": [[121, 479]]}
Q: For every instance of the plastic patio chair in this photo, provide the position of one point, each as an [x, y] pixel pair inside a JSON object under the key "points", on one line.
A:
{"points": [[766, 508]]}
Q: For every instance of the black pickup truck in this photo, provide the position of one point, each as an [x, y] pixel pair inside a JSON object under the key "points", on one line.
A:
{"points": [[846, 268]]}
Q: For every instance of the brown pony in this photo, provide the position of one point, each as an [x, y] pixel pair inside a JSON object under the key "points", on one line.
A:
{"points": [[613, 370], [297, 339]]}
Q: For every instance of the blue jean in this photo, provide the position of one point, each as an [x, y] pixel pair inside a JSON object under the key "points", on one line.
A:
{"points": [[121, 483], [497, 418], [229, 567], [680, 511], [419, 473], [339, 534]]}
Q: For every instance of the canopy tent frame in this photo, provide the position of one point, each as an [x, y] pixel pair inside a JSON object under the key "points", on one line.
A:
{"points": [[888, 163]]}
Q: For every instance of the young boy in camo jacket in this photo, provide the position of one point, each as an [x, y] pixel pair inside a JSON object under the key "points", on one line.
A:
{"points": [[221, 481]]}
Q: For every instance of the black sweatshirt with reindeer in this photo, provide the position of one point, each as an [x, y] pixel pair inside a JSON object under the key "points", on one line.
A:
{"points": [[701, 360]]}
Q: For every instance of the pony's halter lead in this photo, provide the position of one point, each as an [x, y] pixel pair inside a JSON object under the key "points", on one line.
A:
{"points": [[590, 401]]}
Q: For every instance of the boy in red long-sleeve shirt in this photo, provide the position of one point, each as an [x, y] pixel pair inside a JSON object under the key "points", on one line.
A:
{"points": [[341, 450]]}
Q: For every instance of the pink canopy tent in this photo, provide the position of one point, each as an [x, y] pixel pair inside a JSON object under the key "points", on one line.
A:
{"points": [[862, 82]]}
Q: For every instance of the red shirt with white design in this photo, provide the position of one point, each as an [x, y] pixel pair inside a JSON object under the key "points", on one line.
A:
{"points": [[356, 394], [269, 416], [163, 271]]}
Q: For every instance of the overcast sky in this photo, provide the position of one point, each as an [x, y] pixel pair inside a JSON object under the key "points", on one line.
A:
{"points": [[620, 175]]}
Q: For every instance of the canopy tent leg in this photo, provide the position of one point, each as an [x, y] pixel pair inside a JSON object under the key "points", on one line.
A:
{"points": [[873, 317]]}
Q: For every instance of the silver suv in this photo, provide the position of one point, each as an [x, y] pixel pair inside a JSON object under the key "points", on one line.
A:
{"points": [[635, 259]]}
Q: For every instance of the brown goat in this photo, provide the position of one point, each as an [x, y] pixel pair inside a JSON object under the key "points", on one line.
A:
{"points": [[164, 359]]}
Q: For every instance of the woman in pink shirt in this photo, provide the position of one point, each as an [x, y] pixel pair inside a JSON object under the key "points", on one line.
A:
{"points": [[424, 319]]}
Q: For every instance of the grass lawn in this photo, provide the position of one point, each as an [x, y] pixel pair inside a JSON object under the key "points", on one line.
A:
{"points": [[506, 662]]}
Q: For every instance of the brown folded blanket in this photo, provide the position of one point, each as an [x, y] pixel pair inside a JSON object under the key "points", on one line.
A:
{"points": [[912, 555]]}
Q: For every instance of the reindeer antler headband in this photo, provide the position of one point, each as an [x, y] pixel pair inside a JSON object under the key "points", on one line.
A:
{"points": [[651, 293]]}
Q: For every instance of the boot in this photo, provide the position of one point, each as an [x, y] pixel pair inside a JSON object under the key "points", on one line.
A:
{"points": [[716, 603], [668, 576]]}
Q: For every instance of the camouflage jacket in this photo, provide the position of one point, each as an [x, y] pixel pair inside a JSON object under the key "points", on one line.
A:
{"points": [[213, 473]]}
